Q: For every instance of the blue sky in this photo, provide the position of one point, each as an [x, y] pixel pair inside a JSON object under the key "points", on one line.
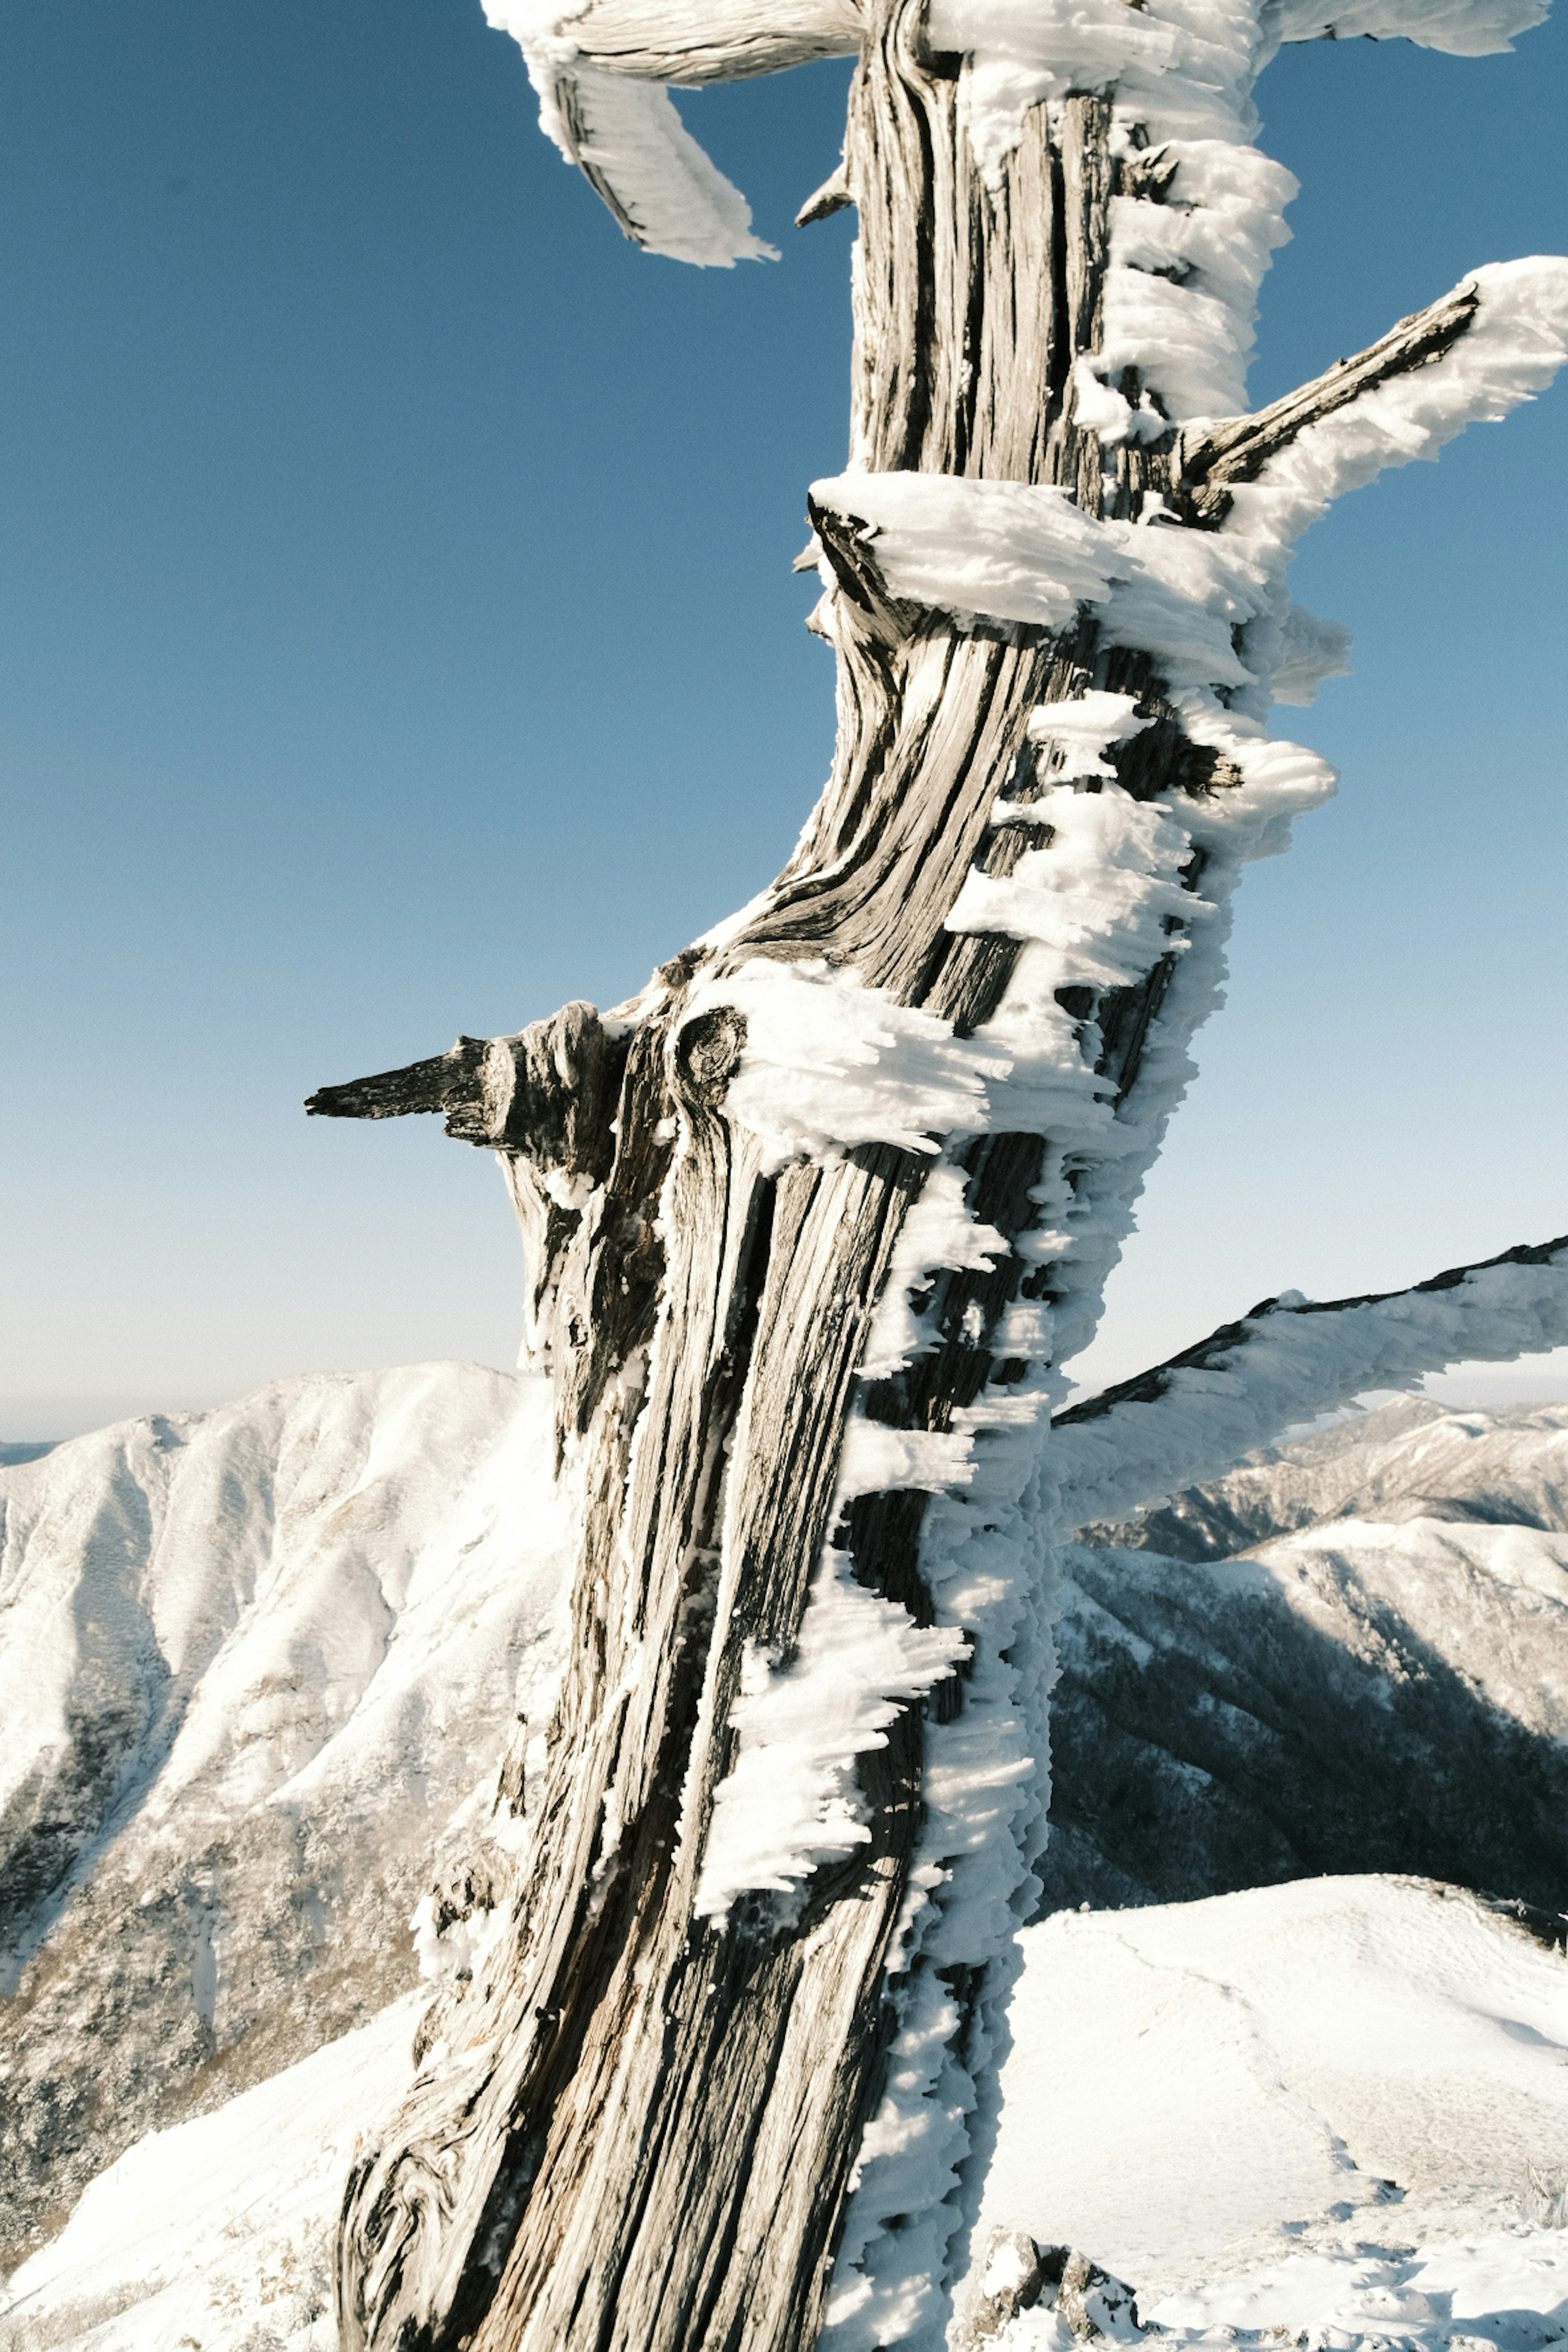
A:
{"points": [[397, 637]]}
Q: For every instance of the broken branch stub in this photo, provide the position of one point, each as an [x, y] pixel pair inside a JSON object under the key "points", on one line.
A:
{"points": [[548, 1093]]}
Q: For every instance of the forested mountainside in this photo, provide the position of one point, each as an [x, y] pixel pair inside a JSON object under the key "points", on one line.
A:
{"points": [[1350, 1654]]}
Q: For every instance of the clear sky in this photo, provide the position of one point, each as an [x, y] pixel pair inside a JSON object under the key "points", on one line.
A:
{"points": [[397, 638]]}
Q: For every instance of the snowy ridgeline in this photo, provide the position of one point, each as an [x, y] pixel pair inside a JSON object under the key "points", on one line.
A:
{"points": [[262, 1785], [1309, 2113]]}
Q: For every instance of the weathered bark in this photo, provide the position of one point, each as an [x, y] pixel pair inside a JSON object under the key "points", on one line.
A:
{"points": [[643, 2131], [652, 40]]}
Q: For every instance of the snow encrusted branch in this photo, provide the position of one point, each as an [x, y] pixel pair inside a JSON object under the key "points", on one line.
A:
{"points": [[1290, 1360], [1238, 449], [687, 42], [1025, 554], [1424, 383], [599, 72], [1465, 28], [667, 195]]}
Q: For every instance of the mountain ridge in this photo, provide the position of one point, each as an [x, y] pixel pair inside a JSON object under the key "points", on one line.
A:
{"points": [[268, 1661]]}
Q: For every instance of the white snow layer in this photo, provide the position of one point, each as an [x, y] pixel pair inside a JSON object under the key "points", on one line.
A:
{"points": [[330, 1593], [830, 1063], [791, 1802], [1466, 28], [1291, 1365], [1304, 2114], [627, 135], [219, 2232]]}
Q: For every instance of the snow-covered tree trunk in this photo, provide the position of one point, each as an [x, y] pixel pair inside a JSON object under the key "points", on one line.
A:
{"points": [[811, 1221]]}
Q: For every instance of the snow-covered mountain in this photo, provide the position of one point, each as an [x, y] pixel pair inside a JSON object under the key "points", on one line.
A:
{"points": [[252, 1663], [1304, 2114], [1352, 1653], [259, 1666]]}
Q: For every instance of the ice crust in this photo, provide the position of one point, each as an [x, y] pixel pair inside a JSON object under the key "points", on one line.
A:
{"points": [[791, 1802], [1095, 908], [1180, 299], [830, 1063], [1096, 905]]}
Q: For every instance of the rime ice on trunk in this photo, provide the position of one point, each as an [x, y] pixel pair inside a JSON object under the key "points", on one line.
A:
{"points": [[811, 1221]]}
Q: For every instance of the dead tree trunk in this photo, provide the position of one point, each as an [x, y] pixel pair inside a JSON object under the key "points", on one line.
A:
{"points": [[638, 2124]]}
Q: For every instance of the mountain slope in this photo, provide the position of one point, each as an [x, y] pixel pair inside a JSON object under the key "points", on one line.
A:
{"points": [[259, 1668], [1387, 1691], [251, 1663]]}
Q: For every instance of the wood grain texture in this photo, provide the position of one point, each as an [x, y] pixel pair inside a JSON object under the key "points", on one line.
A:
{"points": [[691, 42], [640, 2135]]}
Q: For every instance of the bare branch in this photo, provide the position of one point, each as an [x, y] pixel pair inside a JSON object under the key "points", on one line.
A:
{"points": [[445, 1082], [833, 196], [691, 42]]}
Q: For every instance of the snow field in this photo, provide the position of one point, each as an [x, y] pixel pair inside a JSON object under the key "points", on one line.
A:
{"points": [[1305, 2112], [1302, 2114]]}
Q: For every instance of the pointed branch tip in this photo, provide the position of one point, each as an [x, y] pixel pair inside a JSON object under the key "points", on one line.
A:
{"points": [[833, 196], [547, 1094]]}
